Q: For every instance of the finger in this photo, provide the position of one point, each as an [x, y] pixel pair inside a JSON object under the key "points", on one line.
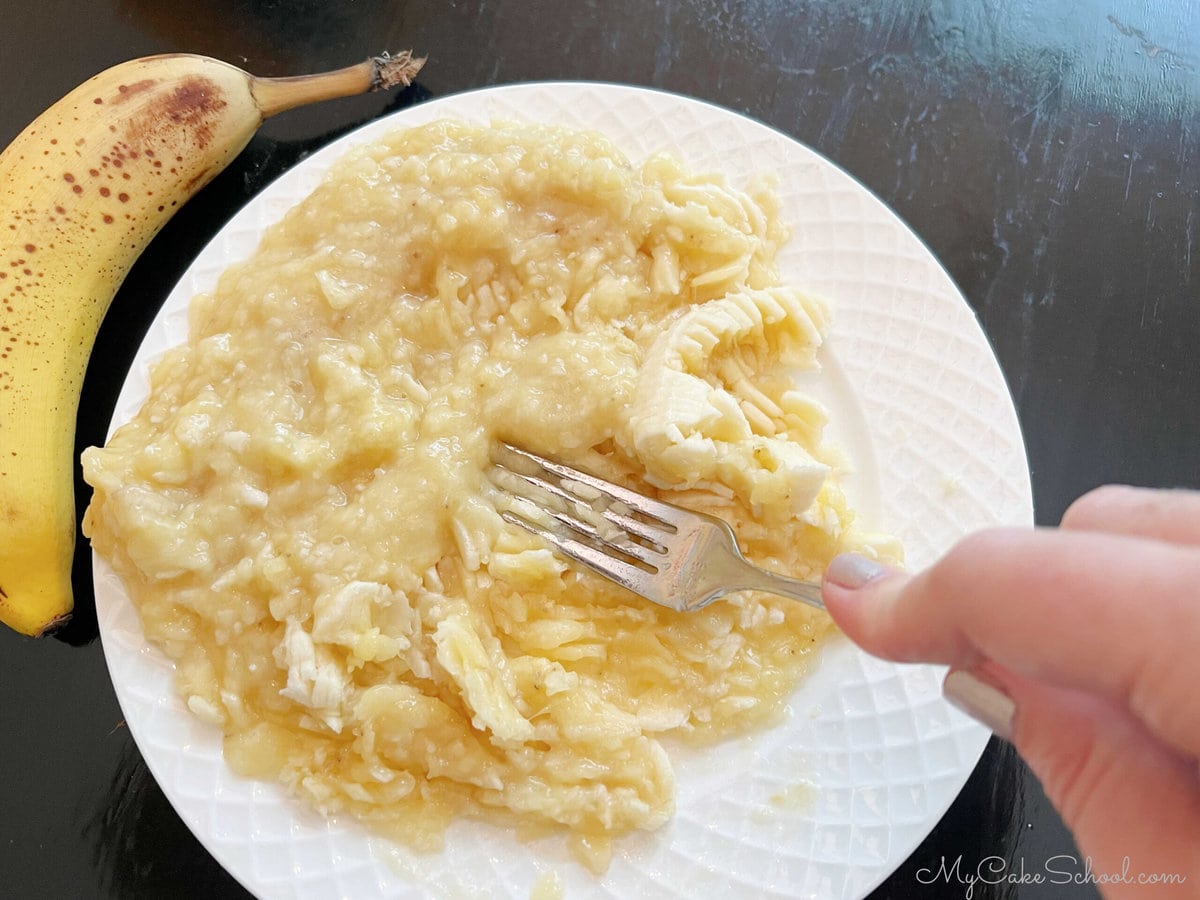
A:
{"points": [[1102, 770], [1165, 515], [1115, 615]]}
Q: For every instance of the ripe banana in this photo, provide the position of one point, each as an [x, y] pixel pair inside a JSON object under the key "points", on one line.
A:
{"points": [[83, 189]]}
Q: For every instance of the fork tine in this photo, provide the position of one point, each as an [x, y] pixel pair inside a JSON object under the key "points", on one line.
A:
{"points": [[624, 573], [650, 557], [665, 513], [652, 534]]}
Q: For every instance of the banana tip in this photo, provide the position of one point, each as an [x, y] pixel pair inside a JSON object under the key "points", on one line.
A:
{"points": [[54, 624], [390, 71]]}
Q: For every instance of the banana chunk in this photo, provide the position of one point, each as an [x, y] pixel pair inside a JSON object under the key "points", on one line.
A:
{"points": [[689, 428]]}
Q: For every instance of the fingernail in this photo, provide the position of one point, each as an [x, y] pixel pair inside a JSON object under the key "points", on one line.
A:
{"points": [[981, 701], [853, 571]]}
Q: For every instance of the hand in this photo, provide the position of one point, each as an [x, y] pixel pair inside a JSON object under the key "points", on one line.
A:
{"points": [[1082, 646]]}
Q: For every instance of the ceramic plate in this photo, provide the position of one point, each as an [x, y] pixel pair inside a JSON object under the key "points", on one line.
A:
{"points": [[825, 805]]}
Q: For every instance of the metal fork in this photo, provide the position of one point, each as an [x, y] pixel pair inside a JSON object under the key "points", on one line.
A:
{"points": [[670, 555]]}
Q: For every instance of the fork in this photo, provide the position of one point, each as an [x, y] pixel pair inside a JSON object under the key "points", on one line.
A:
{"points": [[672, 556]]}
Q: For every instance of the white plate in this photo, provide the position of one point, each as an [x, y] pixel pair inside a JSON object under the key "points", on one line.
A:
{"points": [[824, 806]]}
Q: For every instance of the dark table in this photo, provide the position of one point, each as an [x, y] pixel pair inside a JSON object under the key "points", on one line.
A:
{"points": [[1047, 153]]}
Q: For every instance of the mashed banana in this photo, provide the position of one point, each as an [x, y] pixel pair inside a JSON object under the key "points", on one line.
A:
{"points": [[301, 515]]}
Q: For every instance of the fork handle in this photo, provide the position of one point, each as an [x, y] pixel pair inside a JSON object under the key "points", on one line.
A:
{"points": [[752, 578]]}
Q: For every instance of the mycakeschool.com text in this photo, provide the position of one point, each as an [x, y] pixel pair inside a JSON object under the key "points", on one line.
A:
{"points": [[1059, 870]]}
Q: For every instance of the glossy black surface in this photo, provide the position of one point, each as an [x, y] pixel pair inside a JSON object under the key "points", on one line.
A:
{"points": [[1046, 152]]}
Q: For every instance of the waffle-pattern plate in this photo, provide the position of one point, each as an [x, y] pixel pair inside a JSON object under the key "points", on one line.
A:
{"points": [[825, 805]]}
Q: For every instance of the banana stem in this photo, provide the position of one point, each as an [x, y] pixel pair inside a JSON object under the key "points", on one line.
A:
{"points": [[274, 95]]}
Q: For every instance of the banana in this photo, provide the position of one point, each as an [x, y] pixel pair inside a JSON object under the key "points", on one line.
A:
{"points": [[83, 189]]}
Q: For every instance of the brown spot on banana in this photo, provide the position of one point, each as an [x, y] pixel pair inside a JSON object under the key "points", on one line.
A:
{"points": [[192, 105], [126, 91]]}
